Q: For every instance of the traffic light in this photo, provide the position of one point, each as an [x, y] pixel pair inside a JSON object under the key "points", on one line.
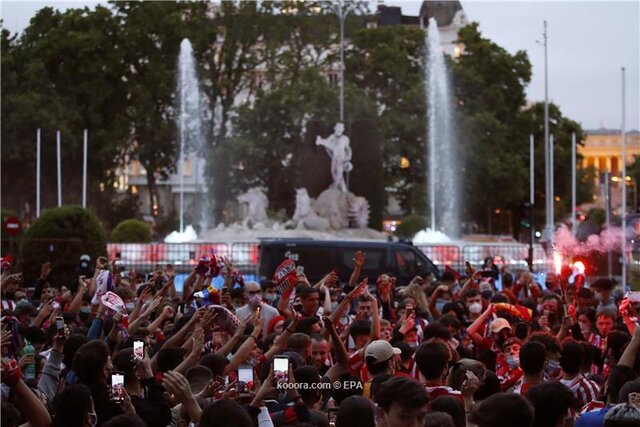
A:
{"points": [[527, 218]]}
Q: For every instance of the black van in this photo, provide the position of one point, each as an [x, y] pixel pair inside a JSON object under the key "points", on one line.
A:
{"points": [[319, 257]]}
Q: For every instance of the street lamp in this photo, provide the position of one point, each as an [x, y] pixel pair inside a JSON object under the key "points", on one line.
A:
{"points": [[342, 9]]}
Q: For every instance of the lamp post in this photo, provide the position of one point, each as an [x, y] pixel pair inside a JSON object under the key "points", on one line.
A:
{"points": [[624, 188], [342, 10], [547, 153]]}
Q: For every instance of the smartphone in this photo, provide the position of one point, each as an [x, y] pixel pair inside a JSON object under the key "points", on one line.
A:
{"points": [[280, 370], [333, 415], [258, 311], [409, 308], [60, 325], [138, 351], [300, 269], [245, 376], [117, 387]]}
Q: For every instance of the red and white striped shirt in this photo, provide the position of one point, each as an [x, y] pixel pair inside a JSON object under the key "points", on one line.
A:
{"points": [[442, 390], [583, 389]]}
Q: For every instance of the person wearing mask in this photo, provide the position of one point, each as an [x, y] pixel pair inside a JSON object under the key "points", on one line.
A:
{"points": [[508, 363], [552, 369], [602, 289], [270, 293], [401, 402], [473, 303], [253, 297]]}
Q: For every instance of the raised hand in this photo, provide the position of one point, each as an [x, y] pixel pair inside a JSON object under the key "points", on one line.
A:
{"points": [[359, 258], [177, 385], [470, 385]]}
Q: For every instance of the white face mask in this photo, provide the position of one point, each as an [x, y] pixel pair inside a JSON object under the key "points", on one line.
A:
{"points": [[130, 306], [270, 297], [475, 308], [552, 365]]}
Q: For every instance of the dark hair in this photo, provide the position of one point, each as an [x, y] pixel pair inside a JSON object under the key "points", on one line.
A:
{"points": [[305, 325], [447, 276], [125, 420], [214, 362], [532, 357], [308, 376], [198, 377], [551, 401], [89, 361], [307, 291], [34, 335], [450, 320], [299, 342], [356, 411], [71, 346], [470, 293], [169, 358], [71, 406], [343, 392], [571, 356], [225, 412], [629, 387], [550, 342], [359, 328], [503, 410], [490, 386], [438, 419], [451, 406], [616, 342], [123, 361], [406, 392], [268, 284], [376, 368], [436, 330], [619, 375], [432, 359], [589, 312], [456, 308], [376, 383], [585, 293]]}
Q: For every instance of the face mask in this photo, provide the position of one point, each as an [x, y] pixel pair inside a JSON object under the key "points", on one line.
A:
{"points": [[475, 308], [255, 300], [552, 366], [85, 310], [130, 306], [270, 297], [598, 296], [513, 361], [334, 305]]}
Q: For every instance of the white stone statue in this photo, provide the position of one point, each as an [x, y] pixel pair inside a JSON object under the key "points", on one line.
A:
{"points": [[304, 216], [338, 148], [257, 203]]}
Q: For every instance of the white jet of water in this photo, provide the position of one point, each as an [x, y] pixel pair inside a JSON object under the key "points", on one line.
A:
{"points": [[189, 119], [442, 160]]}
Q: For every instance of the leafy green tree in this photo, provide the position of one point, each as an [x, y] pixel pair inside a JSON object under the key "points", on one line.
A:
{"points": [[61, 236], [63, 72], [131, 231]]}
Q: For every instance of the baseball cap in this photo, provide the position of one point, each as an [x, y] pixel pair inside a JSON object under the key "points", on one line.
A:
{"points": [[499, 324], [379, 351]]}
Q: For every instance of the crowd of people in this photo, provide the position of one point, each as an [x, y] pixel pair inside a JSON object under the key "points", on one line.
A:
{"points": [[120, 348]]}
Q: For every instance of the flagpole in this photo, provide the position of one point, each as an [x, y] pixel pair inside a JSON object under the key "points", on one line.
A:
{"points": [[59, 164]]}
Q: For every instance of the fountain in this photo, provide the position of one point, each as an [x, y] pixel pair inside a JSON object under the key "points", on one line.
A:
{"points": [[191, 137], [442, 160]]}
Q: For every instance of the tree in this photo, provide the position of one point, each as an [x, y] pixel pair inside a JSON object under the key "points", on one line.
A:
{"points": [[61, 236], [63, 72], [131, 231]]}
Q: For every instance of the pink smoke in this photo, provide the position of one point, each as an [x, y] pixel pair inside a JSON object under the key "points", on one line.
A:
{"points": [[609, 239]]}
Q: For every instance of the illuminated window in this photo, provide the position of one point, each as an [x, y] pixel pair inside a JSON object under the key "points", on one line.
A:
{"points": [[602, 164]]}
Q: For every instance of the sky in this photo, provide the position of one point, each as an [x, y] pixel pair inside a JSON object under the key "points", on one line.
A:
{"points": [[588, 43]]}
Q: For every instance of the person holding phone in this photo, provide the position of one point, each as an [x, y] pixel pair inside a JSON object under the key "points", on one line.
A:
{"points": [[139, 381], [92, 365]]}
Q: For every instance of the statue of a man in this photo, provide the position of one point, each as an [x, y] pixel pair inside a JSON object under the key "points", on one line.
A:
{"points": [[339, 150]]}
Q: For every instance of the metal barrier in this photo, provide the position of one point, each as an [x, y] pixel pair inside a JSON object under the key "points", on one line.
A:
{"points": [[184, 256]]}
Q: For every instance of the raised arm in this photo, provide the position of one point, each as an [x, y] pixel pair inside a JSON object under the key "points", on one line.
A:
{"points": [[32, 408], [358, 259], [76, 302], [342, 358], [473, 329]]}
